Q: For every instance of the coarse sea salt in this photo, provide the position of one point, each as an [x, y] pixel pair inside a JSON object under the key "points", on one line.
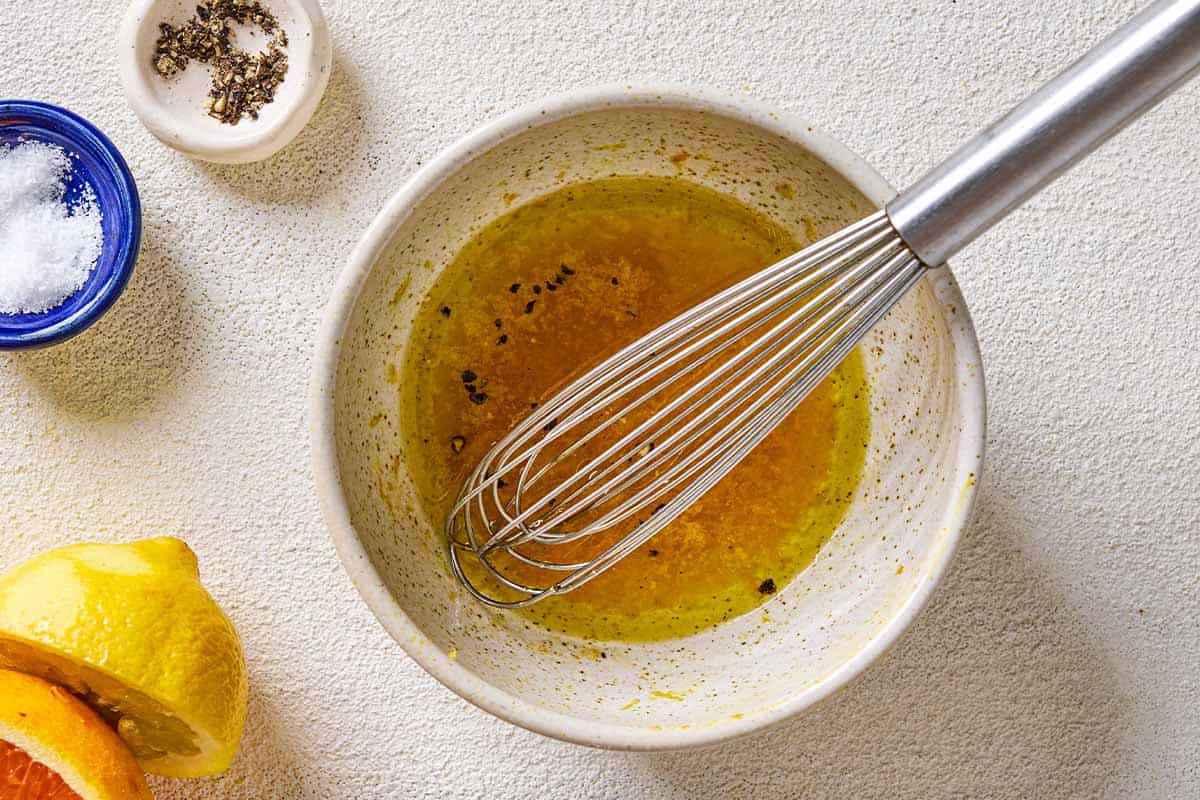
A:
{"points": [[47, 247]]}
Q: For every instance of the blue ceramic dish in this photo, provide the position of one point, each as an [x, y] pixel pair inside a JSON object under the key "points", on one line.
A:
{"points": [[98, 164]]}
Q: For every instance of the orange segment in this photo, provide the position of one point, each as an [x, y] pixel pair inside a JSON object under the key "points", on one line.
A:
{"points": [[22, 778]]}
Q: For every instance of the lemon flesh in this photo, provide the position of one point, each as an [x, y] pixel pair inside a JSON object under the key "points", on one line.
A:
{"points": [[132, 632]]}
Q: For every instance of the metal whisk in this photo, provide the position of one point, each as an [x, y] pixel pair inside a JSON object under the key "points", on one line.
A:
{"points": [[625, 449]]}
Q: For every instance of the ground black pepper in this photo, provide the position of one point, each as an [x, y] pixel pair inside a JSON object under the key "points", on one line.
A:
{"points": [[241, 83], [767, 586]]}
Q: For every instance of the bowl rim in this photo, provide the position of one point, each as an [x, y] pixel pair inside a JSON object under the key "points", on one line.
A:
{"points": [[335, 511], [79, 129]]}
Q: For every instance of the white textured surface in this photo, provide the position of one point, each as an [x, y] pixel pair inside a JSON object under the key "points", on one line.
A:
{"points": [[1058, 660]]}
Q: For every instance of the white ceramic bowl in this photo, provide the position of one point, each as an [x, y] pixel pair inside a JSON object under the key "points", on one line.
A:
{"points": [[818, 632], [173, 110]]}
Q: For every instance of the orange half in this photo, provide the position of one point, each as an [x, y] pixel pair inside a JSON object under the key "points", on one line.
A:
{"points": [[53, 747]]}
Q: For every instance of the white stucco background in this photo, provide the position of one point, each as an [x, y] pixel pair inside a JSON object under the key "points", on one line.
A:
{"points": [[1059, 658]]}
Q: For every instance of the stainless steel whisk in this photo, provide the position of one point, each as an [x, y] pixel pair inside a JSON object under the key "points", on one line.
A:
{"points": [[638, 439]]}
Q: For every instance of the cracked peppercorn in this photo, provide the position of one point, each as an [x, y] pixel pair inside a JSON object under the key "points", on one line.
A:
{"points": [[240, 83]]}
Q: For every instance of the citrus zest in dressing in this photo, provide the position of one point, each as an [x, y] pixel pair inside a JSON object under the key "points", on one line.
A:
{"points": [[552, 287]]}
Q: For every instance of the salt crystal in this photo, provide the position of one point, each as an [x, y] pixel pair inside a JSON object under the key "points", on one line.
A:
{"points": [[47, 248]]}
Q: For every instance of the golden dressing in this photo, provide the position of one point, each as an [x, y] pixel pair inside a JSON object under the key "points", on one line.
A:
{"points": [[551, 287]]}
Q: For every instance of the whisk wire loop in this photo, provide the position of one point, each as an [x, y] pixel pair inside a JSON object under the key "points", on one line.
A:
{"points": [[648, 431], [514, 533]]}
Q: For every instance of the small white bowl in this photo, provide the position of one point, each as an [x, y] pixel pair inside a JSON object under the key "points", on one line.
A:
{"points": [[820, 630], [174, 109]]}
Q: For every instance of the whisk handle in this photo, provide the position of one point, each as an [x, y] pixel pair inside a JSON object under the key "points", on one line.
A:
{"points": [[1010, 161]]}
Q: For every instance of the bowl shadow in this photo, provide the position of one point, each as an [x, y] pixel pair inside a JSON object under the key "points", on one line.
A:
{"points": [[133, 358], [998, 690], [303, 171]]}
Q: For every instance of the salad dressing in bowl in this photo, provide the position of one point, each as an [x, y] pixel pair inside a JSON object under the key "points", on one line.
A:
{"points": [[551, 287]]}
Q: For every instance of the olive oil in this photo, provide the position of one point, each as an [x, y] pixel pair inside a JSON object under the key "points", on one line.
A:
{"points": [[552, 287]]}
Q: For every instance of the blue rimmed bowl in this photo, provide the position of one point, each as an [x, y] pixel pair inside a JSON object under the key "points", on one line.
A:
{"points": [[96, 163]]}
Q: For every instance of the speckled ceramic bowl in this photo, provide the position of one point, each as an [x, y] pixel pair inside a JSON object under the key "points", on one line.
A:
{"points": [[822, 629]]}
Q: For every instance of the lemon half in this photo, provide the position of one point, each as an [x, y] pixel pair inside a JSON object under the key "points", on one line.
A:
{"points": [[131, 631]]}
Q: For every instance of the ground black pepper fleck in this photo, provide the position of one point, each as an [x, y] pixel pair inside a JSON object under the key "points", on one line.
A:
{"points": [[615, 282], [468, 376], [767, 586], [241, 83], [445, 311], [479, 398], [529, 306], [537, 289], [565, 269], [516, 287], [503, 339]]}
